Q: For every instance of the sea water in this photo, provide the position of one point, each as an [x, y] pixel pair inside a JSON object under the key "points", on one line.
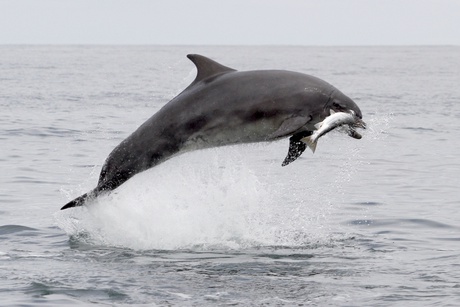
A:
{"points": [[370, 222]]}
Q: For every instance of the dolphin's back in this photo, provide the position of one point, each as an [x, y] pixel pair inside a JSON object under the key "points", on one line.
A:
{"points": [[240, 107]]}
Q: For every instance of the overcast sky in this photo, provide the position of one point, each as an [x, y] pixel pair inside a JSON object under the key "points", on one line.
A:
{"points": [[248, 22]]}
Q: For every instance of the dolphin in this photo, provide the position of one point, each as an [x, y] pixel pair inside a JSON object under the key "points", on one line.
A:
{"points": [[223, 106]]}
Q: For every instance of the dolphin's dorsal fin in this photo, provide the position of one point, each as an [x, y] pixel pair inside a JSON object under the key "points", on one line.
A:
{"points": [[206, 67]]}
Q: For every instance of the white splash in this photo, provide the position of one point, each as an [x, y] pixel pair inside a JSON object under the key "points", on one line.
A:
{"points": [[216, 198]]}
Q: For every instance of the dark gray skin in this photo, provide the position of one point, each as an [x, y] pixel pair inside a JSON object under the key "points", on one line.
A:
{"points": [[223, 106]]}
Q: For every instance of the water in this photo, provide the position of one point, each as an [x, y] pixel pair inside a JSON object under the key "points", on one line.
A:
{"points": [[361, 222]]}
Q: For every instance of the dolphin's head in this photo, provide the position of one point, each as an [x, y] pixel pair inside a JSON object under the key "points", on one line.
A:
{"points": [[339, 102]]}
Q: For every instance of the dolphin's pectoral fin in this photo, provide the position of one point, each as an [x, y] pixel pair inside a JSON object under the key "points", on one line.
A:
{"points": [[289, 126], [296, 147]]}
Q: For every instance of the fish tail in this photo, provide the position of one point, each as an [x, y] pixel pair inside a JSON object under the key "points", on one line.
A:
{"points": [[311, 142]]}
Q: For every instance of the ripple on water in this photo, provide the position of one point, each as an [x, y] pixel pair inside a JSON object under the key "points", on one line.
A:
{"points": [[42, 289], [15, 229], [405, 223]]}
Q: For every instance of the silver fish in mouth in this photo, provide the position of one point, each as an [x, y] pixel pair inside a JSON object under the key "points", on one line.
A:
{"points": [[336, 119]]}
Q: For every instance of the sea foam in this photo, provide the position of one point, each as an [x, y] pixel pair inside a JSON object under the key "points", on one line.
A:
{"points": [[215, 198]]}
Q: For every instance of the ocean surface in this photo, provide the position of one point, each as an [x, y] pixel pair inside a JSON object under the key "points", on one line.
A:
{"points": [[370, 222]]}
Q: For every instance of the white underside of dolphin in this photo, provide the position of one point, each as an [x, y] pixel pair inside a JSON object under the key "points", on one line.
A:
{"points": [[223, 106]]}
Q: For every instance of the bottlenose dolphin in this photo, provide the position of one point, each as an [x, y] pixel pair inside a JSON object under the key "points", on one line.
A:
{"points": [[224, 106]]}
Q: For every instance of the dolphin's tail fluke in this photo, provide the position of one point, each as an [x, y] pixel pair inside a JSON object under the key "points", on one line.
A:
{"points": [[79, 201]]}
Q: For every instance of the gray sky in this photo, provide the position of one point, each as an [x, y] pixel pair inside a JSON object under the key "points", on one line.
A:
{"points": [[248, 22]]}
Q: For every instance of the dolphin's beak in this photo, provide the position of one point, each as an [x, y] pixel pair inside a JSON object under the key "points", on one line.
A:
{"points": [[358, 124], [354, 134]]}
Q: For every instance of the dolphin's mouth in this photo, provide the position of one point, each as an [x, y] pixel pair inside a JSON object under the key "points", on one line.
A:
{"points": [[359, 123], [352, 128], [353, 133]]}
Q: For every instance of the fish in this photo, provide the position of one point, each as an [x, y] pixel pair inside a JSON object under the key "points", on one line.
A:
{"points": [[335, 120]]}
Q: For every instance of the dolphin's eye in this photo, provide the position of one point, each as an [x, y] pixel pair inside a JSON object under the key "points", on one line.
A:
{"points": [[337, 106]]}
